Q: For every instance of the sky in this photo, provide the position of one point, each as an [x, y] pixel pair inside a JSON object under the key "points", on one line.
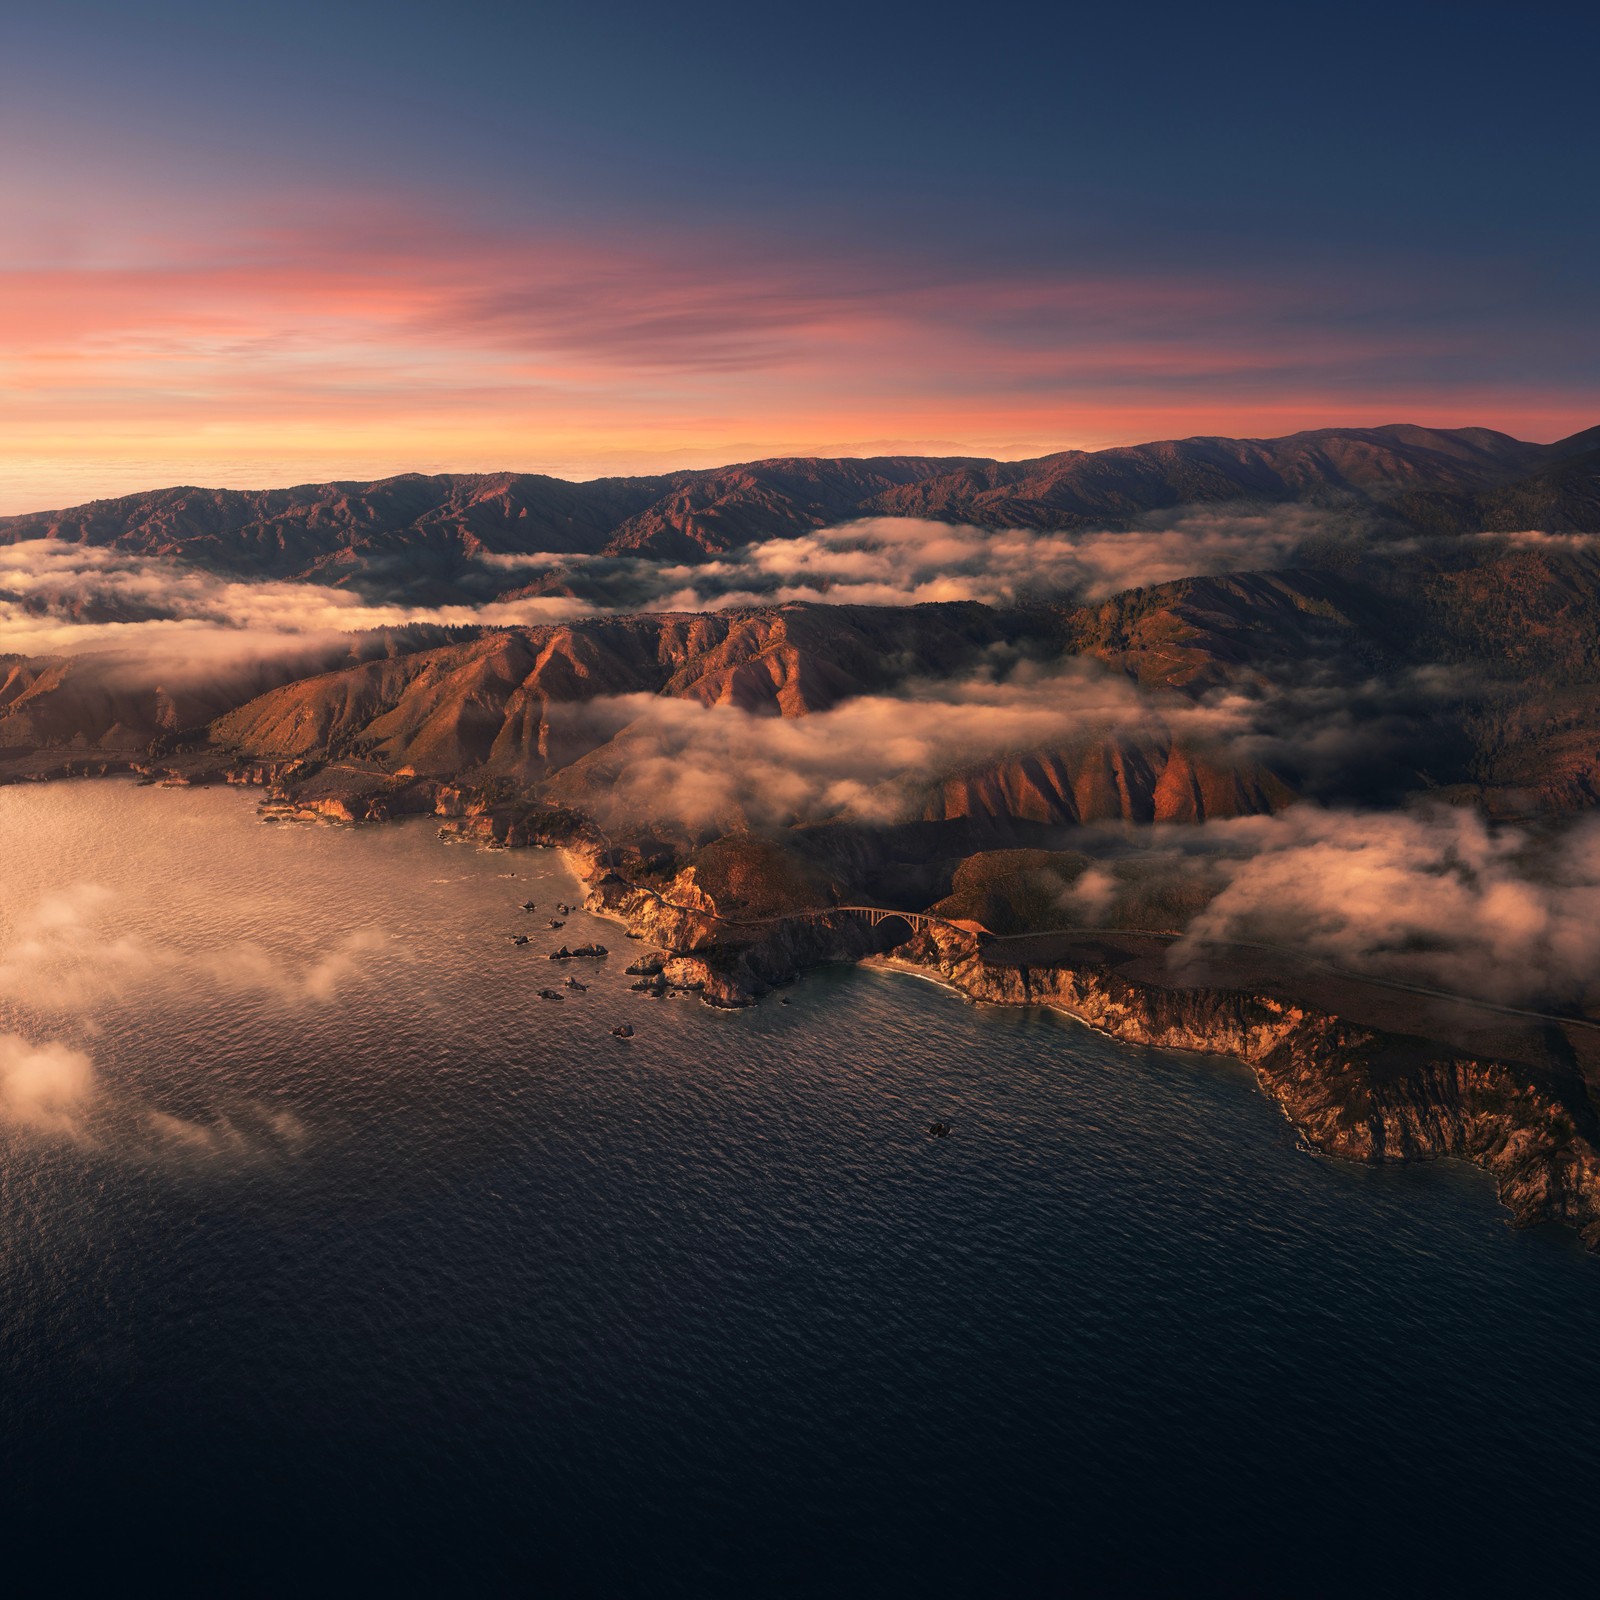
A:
{"points": [[255, 245]]}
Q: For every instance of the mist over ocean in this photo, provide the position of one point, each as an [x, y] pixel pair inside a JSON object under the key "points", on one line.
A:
{"points": [[333, 1256]]}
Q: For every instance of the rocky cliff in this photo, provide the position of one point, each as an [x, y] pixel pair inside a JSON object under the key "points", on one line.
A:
{"points": [[1352, 1091]]}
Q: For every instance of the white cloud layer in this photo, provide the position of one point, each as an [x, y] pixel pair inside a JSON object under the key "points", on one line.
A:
{"points": [[63, 961], [58, 598], [44, 1087], [65, 955], [910, 561], [62, 598], [1440, 898], [679, 760]]}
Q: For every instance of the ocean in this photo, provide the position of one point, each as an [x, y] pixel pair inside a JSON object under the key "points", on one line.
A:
{"points": [[335, 1259]]}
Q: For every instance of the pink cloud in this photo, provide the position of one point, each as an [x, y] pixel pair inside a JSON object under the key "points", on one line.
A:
{"points": [[392, 336]]}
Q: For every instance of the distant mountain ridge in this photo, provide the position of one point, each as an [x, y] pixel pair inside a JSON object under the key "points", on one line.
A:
{"points": [[436, 530]]}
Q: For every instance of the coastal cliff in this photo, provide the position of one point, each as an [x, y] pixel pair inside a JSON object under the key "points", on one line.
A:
{"points": [[1356, 1091], [1360, 1092], [1350, 1090]]}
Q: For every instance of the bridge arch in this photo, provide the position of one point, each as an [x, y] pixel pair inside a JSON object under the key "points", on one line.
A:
{"points": [[915, 922], [874, 916]]}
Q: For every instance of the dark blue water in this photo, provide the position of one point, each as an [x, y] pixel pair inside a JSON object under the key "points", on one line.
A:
{"points": [[358, 1267]]}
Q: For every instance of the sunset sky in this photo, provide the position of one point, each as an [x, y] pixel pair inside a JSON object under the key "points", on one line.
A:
{"points": [[266, 244]]}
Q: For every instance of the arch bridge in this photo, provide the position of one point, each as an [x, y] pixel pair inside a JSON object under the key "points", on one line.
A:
{"points": [[919, 920]]}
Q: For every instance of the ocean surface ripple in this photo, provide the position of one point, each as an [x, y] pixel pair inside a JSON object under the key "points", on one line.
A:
{"points": [[356, 1263]]}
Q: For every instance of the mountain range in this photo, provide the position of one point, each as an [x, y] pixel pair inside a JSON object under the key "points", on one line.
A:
{"points": [[427, 535], [1429, 650], [1504, 633], [1470, 668]]}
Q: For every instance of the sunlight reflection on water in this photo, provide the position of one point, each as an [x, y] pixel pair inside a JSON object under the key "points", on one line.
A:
{"points": [[356, 1256]]}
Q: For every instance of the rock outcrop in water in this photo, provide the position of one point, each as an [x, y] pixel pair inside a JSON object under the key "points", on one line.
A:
{"points": [[1366, 1074], [1354, 1091]]}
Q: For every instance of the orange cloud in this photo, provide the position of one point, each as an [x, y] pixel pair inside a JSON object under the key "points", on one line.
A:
{"points": [[378, 340]]}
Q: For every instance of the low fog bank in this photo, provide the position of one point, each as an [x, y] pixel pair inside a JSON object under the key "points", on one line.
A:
{"points": [[1434, 895], [51, 1090], [67, 599], [158, 613], [59, 598], [66, 964], [1439, 897], [867, 759], [910, 561], [874, 757], [44, 1087], [68, 953]]}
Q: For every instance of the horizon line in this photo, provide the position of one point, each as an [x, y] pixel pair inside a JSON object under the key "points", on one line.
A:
{"points": [[954, 457]]}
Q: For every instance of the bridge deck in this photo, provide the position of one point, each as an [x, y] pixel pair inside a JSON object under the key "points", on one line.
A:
{"points": [[877, 914]]}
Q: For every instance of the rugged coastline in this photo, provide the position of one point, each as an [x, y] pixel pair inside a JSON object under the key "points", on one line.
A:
{"points": [[1513, 1101], [1352, 1089]]}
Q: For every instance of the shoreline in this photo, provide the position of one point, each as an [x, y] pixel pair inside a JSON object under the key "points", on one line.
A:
{"points": [[1349, 1089]]}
